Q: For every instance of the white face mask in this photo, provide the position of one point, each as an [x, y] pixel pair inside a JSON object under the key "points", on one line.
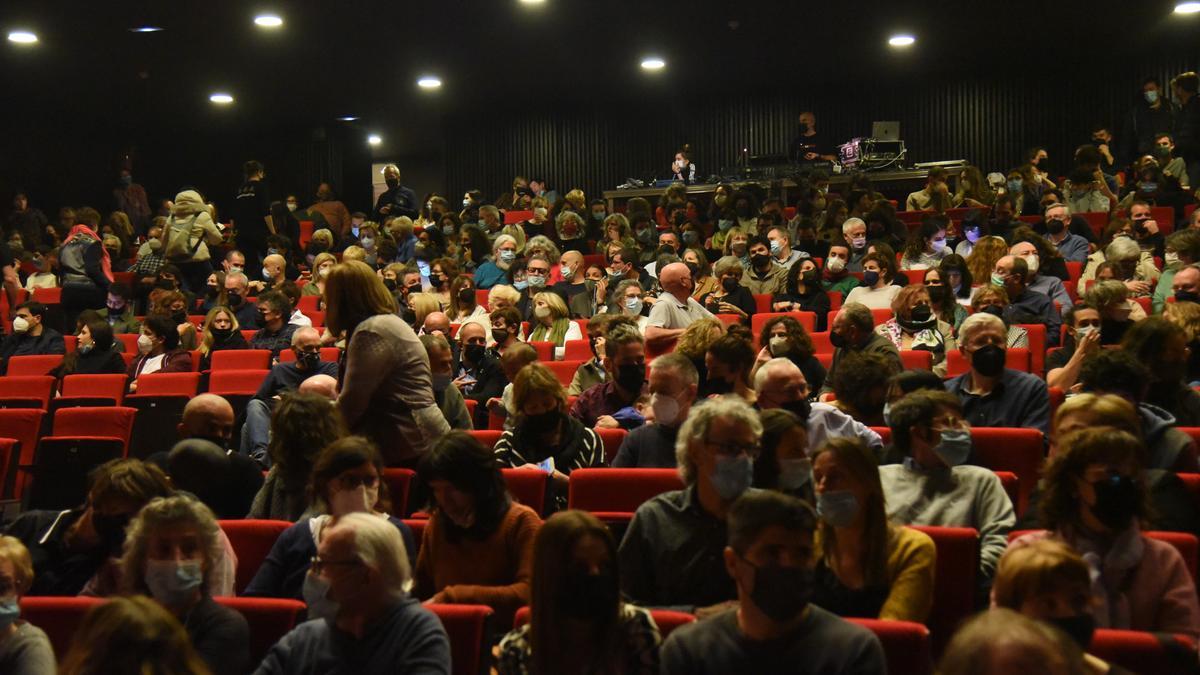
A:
{"points": [[541, 312], [323, 272], [666, 409], [779, 345], [1084, 331], [359, 500], [1032, 262], [145, 343], [292, 206], [20, 324], [1171, 258], [835, 264]]}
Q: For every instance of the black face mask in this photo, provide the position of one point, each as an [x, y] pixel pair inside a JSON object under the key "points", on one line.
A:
{"points": [[165, 284], [390, 284], [221, 334], [436, 282], [995, 310], [1117, 500], [804, 127], [989, 360], [392, 182], [760, 260], [179, 316], [234, 298], [466, 295], [414, 288], [1079, 628], [729, 284], [719, 385], [801, 408], [838, 340], [1186, 296], [921, 314], [631, 376], [782, 592], [500, 335], [473, 353], [408, 315], [212, 293], [809, 277], [543, 423], [1055, 226], [111, 529], [310, 360], [694, 269], [593, 597], [936, 293]]}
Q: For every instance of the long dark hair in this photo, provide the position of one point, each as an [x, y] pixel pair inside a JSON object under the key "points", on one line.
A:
{"points": [[552, 557], [956, 263], [102, 335], [338, 457], [465, 463]]}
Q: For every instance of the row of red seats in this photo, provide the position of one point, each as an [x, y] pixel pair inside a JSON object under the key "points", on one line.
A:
{"points": [[227, 359]]}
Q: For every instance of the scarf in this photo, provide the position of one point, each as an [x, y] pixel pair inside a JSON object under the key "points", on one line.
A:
{"points": [[86, 232]]}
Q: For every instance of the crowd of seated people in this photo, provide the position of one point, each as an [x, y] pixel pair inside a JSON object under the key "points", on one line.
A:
{"points": [[821, 375]]}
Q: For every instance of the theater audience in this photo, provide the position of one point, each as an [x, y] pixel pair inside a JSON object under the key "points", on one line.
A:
{"points": [[671, 551], [552, 323], [625, 362], [733, 297], [477, 547], [118, 309], [172, 552], [1082, 341], [220, 332], [1025, 305], [347, 477], [441, 368], [1117, 312], [853, 331], [866, 565], [591, 372], [577, 621], [1001, 641], [301, 426], [237, 289], [94, 353], [1162, 347], [727, 365], [493, 271], [158, 351], [30, 335], [783, 463], [24, 648], [994, 300], [992, 394], [775, 620], [926, 245], [676, 308], [672, 386], [802, 292], [862, 387], [1094, 499], [479, 376], [785, 337], [131, 636], [506, 329], [877, 290], [915, 326], [362, 618], [274, 330], [780, 384]]}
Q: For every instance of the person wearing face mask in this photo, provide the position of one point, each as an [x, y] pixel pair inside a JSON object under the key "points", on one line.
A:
{"points": [[780, 384], [1083, 323], [670, 554], [992, 394], [1026, 305], [1153, 113], [673, 388], [1182, 251], [347, 478], [477, 547], [1094, 500], [173, 305], [762, 276], [1070, 246], [926, 245], [397, 200], [776, 620], [570, 230], [172, 551], [1161, 346], [577, 613], [727, 363], [118, 309], [853, 331], [274, 330], [478, 375], [70, 547], [867, 566], [862, 386], [934, 485], [544, 437], [1117, 312], [441, 366], [357, 592], [494, 270], [783, 463], [158, 351], [625, 363], [24, 648], [915, 326], [836, 275], [876, 290], [93, 353], [733, 296]]}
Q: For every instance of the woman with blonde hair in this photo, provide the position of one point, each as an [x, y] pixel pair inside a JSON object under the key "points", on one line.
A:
{"points": [[616, 229], [502, 296], [132, 636], [422, 305], [737, 245], [983, 257], [552, 323], [172, 548], [386, 386], [993, 300], [24, 648], [320, 271], [1186, 315], [695, 340], [915, 325], [220, 333]]}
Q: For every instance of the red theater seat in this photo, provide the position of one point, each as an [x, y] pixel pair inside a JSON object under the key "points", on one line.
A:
{"points": [[544, 349], [58, 617], [399, 481], [954, 578], [109, 422], [241, 359], [251, 541], [528, 486], [806, 319], [612, 439], [487, 437], [1161, 654], [35, 364], [563, 370], [1016, 358], [905, 645], [467, 628], [613, 495], [26, 391], [108, 387], [917, 359], [269, 619], [1020, 451]]}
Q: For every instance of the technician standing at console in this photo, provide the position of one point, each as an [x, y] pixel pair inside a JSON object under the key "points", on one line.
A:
{"points": [[810, 146]]}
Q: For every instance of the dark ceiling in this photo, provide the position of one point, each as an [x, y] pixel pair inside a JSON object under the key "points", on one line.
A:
{"points": [[362, 58]]}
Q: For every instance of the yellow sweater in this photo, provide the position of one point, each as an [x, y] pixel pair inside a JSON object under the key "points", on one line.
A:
{"points": [[910, 565]]}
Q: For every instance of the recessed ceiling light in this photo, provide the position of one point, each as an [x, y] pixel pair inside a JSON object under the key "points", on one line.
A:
{"points": [[347, 118], [374, 139], [653, 63], [429, 82], [533, 2], [221, 98], [23, 37], [145, 29], [1187, 8], [901, 40], [268, 20]]}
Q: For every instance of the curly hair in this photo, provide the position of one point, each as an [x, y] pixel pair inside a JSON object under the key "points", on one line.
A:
{"points": [[1074, 453], [698, 336], [164, 514], [983, 257], [301, 426], [801, 342]]}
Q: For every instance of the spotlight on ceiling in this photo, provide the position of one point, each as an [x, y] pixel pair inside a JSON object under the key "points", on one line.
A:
{"points": [[221, 98], [901, 40], [533, 2], [429, 82], [1187, 8], [268, 21], [347, 118], [23, 37], [145, 29], [374, 139], [653, 63]]}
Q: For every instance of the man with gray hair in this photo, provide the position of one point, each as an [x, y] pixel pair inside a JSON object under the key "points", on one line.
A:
{"points": [[673, 386], [671, 553], [1024, 304], [284, 376], [362, 618], [1132, 265], [993, 395], [1182, 251], [780, 383], [854, 232], [237, 286], [1073, 247], [397, 200], [853, 330]]}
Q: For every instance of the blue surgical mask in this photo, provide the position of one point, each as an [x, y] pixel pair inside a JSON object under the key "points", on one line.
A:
{"points": [[794, 473], [316, 596], [536, 281], [1014, 186], [507, 255], [173, 582], [732, 476], [954, 447], [367, 242], [1151, 97], [354, 230], [521, 285], [10, 611], [724, 224], [633, 305], [837, 508], [776, 246]]}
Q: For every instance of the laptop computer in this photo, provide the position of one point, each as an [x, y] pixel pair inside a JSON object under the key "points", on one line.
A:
{"points": [[885, 131]]}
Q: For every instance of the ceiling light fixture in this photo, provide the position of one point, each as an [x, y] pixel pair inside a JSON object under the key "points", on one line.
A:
{"points": [[374, 139], [901, 40], [268, 21], [23, 37], [347, 118], [653, 63], [1187, 8], [533, 2], [221, 98], [145, 29], [429, 82]]}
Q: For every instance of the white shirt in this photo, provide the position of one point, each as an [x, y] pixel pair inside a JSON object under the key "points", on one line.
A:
{"points": [[152, 364], [874, 298]]}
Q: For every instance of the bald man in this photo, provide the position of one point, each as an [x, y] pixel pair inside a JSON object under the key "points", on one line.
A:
{"points": [[274, 273], [229, 483], [285, 376], [570, 265], [676, 308], [780, 383], [321, 385]]}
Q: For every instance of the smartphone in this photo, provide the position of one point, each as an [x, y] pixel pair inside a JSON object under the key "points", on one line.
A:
{"points": [[546, 465]]}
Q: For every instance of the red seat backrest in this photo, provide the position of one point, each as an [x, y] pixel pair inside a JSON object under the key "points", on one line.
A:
{"points": [[1164, 217], [544, 349], [251, 541], [835, 299], [33, 364], [481, 296], [417, 525], [398, 482], [317, 318], [1012, 487], [241, 359], [612, 439], [528, 486], [58, 617], [906, 644], [236, 381], [914, 276], [762, 303], [1192, 482], [467, 628], [917, 359], [308, 303], [728, 319], [109, 421], [1037, 347], [563, 370], [168, 384], [821, 343], [109, 386], [48, 296], [1020, 451], [1144, 652], [511, 217], [619, 490], [7, 447], [1184, 542], [269, 620], [954, 583], [1016, 358], [306, 232], [666, 620], [24, 425], [806, 319], [577, 350], [487, 437], [885, 433], [40, 387], [330, 354]]}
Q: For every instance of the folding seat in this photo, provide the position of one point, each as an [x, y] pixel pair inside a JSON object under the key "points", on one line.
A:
{"points": [[309, 303], [90, 390], [398, 482], [1184, 542], [806, 319], [528, 487], [826, 359], [26, 391], [251, 541], [914, 276], [417, 525], [613, 495], [511, 217], [470, 403], [70, 342], [545, 350], [10, 456], [954, 585], [1158, 653], [306, 233], [728, 319], [906, 645], [1192, 482], [48, 296], [317, 318], [821, 343], [762, 303], [81, 439], [241, 359], [237, 387], [577, 350], [1020, 451], [59, 617], [487, 437], [129, 340], [248, 333], [1164, 216], [24, 425], [160, 400], [1016, 358], [112, 422], [885, 433], [916, 359], [1037, 347], [34, 364], [1012, 488], [467, 626], [835, 299], [612, 439], [563, 370], [481, 297]]}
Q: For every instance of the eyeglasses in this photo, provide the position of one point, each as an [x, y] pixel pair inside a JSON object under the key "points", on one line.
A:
{"points": [[317, 565], [735, 449], [352, 481]]}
